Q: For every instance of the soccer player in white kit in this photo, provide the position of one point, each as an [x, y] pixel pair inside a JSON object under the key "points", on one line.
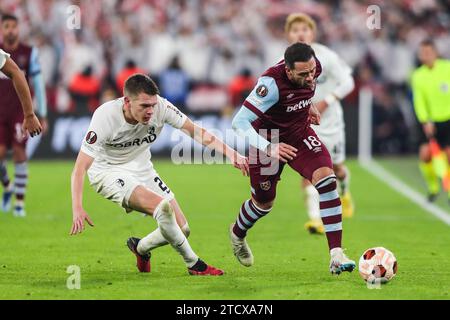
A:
{"points": [[333, 84], [116, 156]]}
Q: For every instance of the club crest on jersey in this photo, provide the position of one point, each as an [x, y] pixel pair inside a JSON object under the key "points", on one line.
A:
{"points": [[262, 91], [120, 182], [91, 137], [265, 186]]}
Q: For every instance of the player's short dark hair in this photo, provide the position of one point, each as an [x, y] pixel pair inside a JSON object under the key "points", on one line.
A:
{"points": [[7, 16], [297, 52], [140, 83], [428, 43]]}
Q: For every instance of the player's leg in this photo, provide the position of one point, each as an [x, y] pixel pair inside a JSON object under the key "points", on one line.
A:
{"points": [[324, 180], [428, 172], [148, 202], [447, 177], [314, 163], [314, 224], [20, 178], [263, 181], [427, 169], [443, 138], [335, 144], [155, 239], [5, 142], [343, 176], [4, 178]]}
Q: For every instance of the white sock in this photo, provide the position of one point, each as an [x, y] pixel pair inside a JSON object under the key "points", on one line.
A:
{"points": [[312, 202], [170, 230], [156, 239]]}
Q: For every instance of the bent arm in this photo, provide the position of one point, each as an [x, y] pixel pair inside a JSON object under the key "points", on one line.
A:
{"points": [[203, 136], [82, 164], [12, 71], [242, 125]]}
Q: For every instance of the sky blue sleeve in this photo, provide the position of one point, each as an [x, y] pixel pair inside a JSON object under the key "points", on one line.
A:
{"points": [[261, 99], [38, 83]]}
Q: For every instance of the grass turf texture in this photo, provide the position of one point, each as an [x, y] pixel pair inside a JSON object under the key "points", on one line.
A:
{"points": [[289, 263]]}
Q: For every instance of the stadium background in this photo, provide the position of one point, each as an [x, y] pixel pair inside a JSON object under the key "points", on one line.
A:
{"points": [[214, 50]]}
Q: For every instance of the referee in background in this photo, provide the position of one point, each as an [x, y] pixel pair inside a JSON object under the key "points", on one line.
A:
{"points": [[431, 96]]}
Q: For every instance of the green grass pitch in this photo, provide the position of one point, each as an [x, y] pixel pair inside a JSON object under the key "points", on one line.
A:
{"points": [[289, 263]]}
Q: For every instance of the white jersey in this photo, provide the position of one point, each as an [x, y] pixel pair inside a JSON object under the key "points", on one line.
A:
{"points": [[3, 57], [117, 144], [335, 72]]}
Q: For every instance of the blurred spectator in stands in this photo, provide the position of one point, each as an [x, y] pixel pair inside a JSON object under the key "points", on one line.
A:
{"points": [[240, 87], [84, 89], [174, 84], [389, 129], [109, 93], [129, 69]]}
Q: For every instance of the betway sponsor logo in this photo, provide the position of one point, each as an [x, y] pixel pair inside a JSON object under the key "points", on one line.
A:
{"points": [[301, 105]]}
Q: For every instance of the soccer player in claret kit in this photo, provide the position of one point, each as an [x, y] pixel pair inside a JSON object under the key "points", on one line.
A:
{"points": [[275, 119], [334, 83], [116, 156], [13, 122]]}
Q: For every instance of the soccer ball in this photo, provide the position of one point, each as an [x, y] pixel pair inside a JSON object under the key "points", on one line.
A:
{"points": [[377, 265]]}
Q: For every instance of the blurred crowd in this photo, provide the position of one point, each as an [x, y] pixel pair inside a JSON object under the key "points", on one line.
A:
{"points": [[206, 54]]}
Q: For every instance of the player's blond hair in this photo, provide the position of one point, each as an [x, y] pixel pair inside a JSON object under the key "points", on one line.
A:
{"points": [[299, 17]]}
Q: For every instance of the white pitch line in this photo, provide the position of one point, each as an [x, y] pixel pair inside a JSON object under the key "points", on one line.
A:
{"points": [[402, 188]]}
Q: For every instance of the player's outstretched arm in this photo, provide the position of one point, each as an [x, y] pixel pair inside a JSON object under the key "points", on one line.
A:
{"points": [[242, 126], [31, 123], [82, 164], [209, 140]]}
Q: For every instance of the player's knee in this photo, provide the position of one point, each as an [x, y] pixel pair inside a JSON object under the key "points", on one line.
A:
{"points": [[151, 207], [264, 204], [340, 171], [19, 154], [326, 182], [320, 174], [186, 230], [3, 151]]}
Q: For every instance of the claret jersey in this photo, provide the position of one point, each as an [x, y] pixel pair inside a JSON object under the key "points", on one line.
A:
{"points": [[279, 104]]}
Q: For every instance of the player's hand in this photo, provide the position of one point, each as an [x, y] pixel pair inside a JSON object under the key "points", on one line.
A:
{"points": [[314, 115], [31, 125], [78, 221], [241, 162], [321, 106], [281, 151], [44, 125], [429, 129]]}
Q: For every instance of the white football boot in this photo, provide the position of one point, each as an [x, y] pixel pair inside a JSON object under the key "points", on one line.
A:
{"points": [[340, 262], [241, 249], [19, 211]]}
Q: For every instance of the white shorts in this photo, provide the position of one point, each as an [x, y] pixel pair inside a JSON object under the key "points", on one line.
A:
{"points": [[118, 185], [335, 144]]}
